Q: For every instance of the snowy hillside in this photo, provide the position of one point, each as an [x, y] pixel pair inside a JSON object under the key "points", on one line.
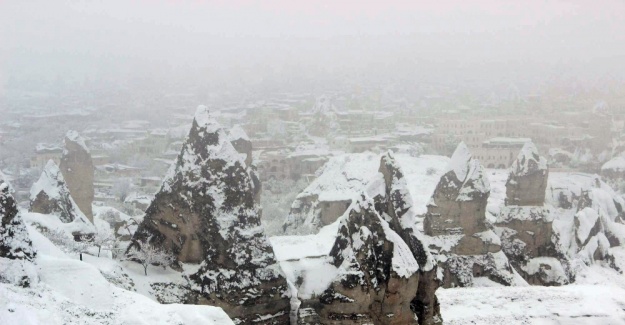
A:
{"points": [[70, 291]]}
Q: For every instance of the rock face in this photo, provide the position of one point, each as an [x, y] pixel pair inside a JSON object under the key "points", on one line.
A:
{"points": [[527, 181], [205, 213], [242, 144], [527, 234], [77, 168], [545, 239], [464, 246], [459, 201], [398, 206], [377, 274], [340, 181], [15, 243], [50, 195], [525, 225], [378, 270], [586, 227]]}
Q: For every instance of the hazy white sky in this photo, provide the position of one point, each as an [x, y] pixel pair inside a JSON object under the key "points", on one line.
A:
{"points": [[455, 37]]}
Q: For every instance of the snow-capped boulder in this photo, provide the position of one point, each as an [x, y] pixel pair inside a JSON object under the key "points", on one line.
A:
{"points": [[50, 195], [377, 275], [205, 213], [78, 171], [527, 180], [16, 249], [455, 223]]}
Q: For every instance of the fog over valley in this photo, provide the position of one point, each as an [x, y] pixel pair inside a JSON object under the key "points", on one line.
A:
{"points": [[298, 162]]}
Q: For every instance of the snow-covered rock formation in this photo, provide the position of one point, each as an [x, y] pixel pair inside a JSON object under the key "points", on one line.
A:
{"points": [[587, 221], [459, 236], [385, 198], [205, 213], [548, 240], [78, 171], [50, 195], [396, 205], [377, 276], [525, 224], [327, 198], [242, 144], [528, 178]]}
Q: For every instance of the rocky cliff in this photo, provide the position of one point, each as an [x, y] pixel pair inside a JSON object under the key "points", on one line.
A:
{"points": [[527, 180], [525, 225], [377, 275], [50, 195], [549, 226], [340, 181], [77, 168], [206, 213], [242, 144], [397, 206], [459, 236]]}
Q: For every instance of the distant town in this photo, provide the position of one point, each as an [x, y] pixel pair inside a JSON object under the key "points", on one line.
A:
{"points": [[294, 134]]}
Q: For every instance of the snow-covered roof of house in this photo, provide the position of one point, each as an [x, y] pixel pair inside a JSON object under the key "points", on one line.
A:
{"points": [[47, 148], [506, 140], [615, 164]]}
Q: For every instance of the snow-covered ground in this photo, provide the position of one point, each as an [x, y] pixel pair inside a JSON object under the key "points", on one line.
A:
{"points": [[596, 297], [572, 304], [70, 291]]}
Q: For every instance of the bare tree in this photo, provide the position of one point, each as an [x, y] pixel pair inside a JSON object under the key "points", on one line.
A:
{"points": [[121, 188], [101, 239], [148, 254]]}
